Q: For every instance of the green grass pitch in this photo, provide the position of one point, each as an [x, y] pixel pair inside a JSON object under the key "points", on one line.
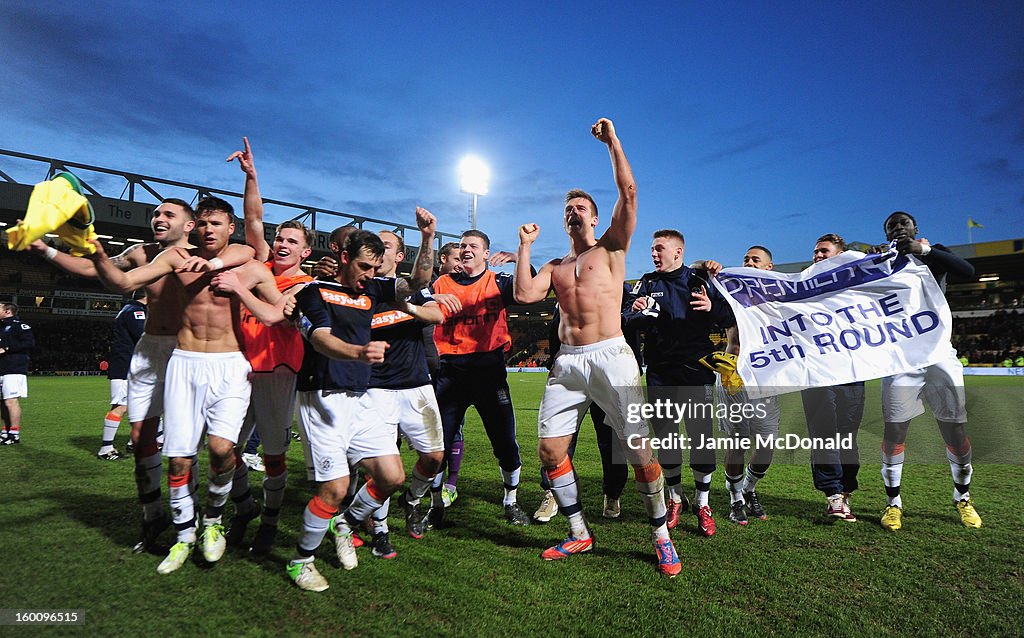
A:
{"points": [[68, 522]]}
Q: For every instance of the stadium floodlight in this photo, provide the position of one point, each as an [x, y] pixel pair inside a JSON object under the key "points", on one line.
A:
{"points": [[474, 176]]}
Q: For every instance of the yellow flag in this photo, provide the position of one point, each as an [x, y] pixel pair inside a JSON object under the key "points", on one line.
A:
{"points": [[56, 206], [973, 224]]}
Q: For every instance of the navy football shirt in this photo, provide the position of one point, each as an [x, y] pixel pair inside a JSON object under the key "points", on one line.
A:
{"points": [[128, 327], [405, 362], [347, 314]]}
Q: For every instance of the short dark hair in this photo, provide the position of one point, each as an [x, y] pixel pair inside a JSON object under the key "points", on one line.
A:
{"points": [[360, 239], [340, 234], [577, 192], [448, 248], [670, 232], [297, 225], [895, 213], [10, 306], [479, 234], [210, 204], [180, 202], [401, 242], [835, 239], [762, 249]]}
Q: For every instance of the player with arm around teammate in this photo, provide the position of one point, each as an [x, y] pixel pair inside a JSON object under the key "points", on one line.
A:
{"points": [[171, 222], [208, 387], [342, 425]]}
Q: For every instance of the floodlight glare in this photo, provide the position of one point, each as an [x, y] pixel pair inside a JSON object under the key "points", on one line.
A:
{"points": [[473, 178], [474, 175]]}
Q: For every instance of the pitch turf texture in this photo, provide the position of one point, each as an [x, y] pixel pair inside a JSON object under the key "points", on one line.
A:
{"points": [[68, 521]]}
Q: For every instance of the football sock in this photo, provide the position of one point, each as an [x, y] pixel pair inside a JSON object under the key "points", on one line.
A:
{"points": [[110, 423], [217, 493], [182, 507], [193, 477], [315, 520], [241, 494], [148, 467], [380, 517], [893, 455], [961, 469], [562, 480], [367, 500], [751, 477], [435, 497], [455, 463], [702, 487], [511, 480], [651, 486], [420, 483], [274, 481], [673, 481], [735, 487]]}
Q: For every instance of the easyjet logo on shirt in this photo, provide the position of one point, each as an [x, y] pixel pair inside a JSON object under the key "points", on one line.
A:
{"points": [[389, 318], [361, 302]]}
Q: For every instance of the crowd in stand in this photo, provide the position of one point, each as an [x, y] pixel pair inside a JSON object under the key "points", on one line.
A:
{"points": [[990, 340], [530, 348], [69, 343]]}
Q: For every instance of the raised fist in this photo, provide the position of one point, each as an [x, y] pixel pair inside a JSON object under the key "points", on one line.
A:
{"points": [[426, 221], [603, 130], [528, 233]]}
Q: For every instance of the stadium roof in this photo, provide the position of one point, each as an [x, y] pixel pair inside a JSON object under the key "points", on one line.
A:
{"points": [[122, 219]]}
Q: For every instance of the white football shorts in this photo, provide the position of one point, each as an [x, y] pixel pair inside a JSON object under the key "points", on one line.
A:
{"points": [[146, 374], [204, 390], [605, 373]]}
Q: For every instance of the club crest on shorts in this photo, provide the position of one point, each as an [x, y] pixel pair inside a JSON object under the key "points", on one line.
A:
{"points": [[326, 464]]}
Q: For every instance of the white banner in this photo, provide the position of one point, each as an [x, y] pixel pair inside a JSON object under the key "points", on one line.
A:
{"points": [[850, 318]]}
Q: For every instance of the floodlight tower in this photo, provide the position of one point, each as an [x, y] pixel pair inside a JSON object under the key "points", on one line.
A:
{"points": [[473, 177]]}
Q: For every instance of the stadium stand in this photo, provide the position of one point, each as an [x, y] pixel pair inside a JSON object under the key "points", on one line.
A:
{"points": [[990, 339]]}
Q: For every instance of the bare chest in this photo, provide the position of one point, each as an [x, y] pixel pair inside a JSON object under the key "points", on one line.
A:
{"points": [[585, 271]]}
